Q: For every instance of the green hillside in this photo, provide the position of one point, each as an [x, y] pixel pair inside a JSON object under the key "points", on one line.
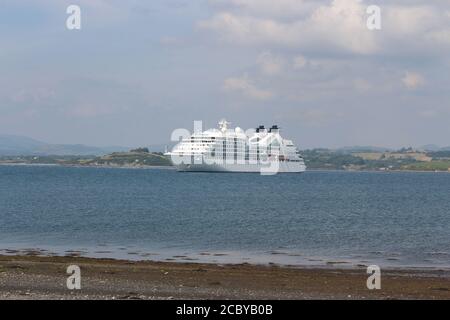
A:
{"points": [[135, 158], [131, 159]]}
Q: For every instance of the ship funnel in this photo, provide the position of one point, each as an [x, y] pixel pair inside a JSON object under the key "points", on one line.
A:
{"points": [[260, 128], [274, 128]]}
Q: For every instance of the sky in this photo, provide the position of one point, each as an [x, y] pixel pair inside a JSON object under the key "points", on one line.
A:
{"points": [[137, 70]]}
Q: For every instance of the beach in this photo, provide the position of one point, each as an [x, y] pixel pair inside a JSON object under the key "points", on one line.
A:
{"points": [[39, 277]]}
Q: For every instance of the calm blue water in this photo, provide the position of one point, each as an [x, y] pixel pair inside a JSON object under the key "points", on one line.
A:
{"points": [[393, 219]]}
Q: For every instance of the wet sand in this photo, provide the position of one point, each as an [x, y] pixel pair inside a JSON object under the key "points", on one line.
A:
{"points": [[35, 277]]}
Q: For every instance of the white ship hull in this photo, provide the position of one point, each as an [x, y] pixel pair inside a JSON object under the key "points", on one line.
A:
{"points": [[280, 167]]}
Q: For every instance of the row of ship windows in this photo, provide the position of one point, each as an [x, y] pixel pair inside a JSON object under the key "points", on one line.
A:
{"points": [[228, 146], [246, 155], [229, 141], [257, 158], [218, 139], [205, 143], [232, 149], [237, 151], [215, 140]]}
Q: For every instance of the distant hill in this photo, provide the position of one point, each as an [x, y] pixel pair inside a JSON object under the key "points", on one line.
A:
{"points": [[356, 149], [76, 149], [14, 145], [134, 158], [429, 147], [11, 145], [433, 148]]}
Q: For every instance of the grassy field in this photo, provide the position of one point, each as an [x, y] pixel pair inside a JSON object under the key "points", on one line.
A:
{"points": [[130, 159], [126, 159], [429, 166], [385, 161]]}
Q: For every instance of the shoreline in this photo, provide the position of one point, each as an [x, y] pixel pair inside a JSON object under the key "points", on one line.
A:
{"points": [[173, 168], [37, 277], [85, 166], [281, 257]]}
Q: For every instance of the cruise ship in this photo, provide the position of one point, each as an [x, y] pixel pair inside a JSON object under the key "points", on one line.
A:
{"points": [[233, 150]]}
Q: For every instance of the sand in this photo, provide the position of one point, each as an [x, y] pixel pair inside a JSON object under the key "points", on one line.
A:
{"points": [[34, 277]]}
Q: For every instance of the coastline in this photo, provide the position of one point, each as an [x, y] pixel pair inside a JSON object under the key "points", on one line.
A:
{"points": [[280, 257], [36, 277], [173, 168]]}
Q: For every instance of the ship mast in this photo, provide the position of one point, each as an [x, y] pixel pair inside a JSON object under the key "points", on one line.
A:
{"points": [[223, 125]]}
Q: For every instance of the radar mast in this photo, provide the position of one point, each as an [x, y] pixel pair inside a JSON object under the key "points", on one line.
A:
{"points": [[223, 125]]}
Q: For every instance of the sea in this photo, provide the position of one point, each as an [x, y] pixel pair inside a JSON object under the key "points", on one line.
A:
{"points": [[314, 219]]}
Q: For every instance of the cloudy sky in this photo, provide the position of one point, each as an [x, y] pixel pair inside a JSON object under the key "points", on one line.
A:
{"points": [[139, 69]]}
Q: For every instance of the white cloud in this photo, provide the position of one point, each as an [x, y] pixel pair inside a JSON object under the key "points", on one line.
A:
{"points": [[270, 8], [362, 85], [412, 80], [246, 87], [412, 20], [33, 95], [270, 64], [299, 62], [247, 30], [343, 25], [440, 36], [340, 26], [330, 26]]}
